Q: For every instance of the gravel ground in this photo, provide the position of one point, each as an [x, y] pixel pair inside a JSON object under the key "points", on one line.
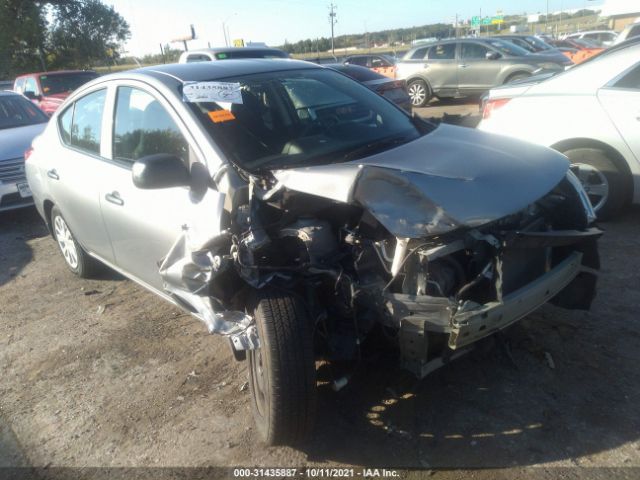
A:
{"points": [[102, 373]]}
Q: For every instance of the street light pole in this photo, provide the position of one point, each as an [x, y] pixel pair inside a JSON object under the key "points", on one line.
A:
{"points": [[332, 21], [225, 29]]}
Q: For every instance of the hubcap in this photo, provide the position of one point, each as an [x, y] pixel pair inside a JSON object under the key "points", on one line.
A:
{"points": [[594, 183], [417, 93], [65, 242]]}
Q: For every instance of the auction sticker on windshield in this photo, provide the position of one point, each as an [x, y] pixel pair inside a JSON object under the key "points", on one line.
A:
{"points": [[212, 92]]}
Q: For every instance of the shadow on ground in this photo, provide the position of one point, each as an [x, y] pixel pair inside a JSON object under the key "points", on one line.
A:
{"points": [[16, 228]]}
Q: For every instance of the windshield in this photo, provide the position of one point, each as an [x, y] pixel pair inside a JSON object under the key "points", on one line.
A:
{"points": [[303, 117], [17, 111], [538, 44], [507, 48], [64, 83]]}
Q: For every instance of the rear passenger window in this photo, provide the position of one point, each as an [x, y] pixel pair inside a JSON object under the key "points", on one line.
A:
{"points": [[631, 80], [85, 127], [64, 125], [362, 61], [143, 127], [19, 86], [442, 52], [197, 58], [419, 54]]}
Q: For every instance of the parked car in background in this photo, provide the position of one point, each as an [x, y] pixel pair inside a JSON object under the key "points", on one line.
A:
{"points": [[49, 89], [600, 38], [577, 50], [394, 90], [630, 31], [590, 113], [229, 53], [530, 43], [382, 64], [296, 212], [469, 67], [20, 122], [6, 84]]}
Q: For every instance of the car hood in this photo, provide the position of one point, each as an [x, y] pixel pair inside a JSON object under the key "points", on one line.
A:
{"points": [[554, 57], [14, 141], [453, 177]]}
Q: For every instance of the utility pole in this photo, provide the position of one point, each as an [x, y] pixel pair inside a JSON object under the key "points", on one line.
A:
{"points": [[332, 20]]}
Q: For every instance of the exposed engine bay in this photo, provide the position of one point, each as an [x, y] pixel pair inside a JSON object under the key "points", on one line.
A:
{"points": [[435, 283]]}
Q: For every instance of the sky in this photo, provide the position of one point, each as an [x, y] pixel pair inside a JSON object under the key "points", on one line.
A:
{"points": [[153, 22]]}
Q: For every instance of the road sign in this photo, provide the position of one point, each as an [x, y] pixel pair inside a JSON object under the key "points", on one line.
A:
{"points": [[238, 42]]}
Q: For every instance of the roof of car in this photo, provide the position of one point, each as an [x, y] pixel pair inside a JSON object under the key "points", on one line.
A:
{"points": [[206, 71], [7, 93], [229, 49], [57, 72]]}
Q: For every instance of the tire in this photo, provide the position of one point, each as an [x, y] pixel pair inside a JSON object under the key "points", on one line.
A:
{"points": [[419, 93], [516, 76], [282, 373], [606, 186], [76, 259]]}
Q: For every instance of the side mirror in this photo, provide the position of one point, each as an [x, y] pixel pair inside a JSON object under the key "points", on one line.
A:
{"points": [[31, 95], [161, 170], [492, 55]]}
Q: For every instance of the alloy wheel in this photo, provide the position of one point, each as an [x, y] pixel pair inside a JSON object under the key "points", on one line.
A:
{"points": [[66, 242], [417, 93], [594, 182]]}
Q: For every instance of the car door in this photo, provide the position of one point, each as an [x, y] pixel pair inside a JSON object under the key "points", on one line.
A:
{"points": [[76, 168], [476, 73], [144, 224], [440, 68], [621, 101]]}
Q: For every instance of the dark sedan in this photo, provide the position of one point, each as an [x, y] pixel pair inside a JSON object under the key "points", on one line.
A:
{"points": [[394, 90]]}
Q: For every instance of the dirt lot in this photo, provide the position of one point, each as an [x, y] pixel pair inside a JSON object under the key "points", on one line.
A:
{"points": [[102, 373]]}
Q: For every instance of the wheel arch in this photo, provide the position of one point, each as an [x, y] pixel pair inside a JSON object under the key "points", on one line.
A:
{"points": [[414, 77], [514, 73], [616, 157], [47, 206]]}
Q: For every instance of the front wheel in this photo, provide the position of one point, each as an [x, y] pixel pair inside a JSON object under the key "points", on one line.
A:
{"points": [[282, 373], [419, 93]]}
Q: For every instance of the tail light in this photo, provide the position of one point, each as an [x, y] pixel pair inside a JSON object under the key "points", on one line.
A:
{"points": [[493, 104], [28, 153]]}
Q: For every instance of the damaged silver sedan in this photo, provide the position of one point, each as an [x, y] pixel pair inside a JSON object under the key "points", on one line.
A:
{"points": [[299, 214]]}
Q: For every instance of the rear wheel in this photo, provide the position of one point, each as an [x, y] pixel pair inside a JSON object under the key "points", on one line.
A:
{"points": [[77, 260], [282, 371], [419, 93], [603, 181]]}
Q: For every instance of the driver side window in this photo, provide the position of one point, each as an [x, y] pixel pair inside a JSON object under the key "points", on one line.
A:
{"points": [[143, 127]]}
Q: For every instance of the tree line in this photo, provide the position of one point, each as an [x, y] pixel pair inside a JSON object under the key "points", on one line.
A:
{"points": [[58, 34]]}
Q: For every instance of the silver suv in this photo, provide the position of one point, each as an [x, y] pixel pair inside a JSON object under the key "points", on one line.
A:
{"points": [[297, 212], [470, 67]]}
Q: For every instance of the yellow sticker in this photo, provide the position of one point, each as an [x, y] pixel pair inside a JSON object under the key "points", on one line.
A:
{"points": [[219, 116]]}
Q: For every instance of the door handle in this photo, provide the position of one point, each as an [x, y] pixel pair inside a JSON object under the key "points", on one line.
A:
{"points": [[53, 174], [463, 66], [114, 197]]}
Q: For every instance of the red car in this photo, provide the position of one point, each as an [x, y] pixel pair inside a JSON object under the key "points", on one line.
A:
{"points": [[49, 89]]}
